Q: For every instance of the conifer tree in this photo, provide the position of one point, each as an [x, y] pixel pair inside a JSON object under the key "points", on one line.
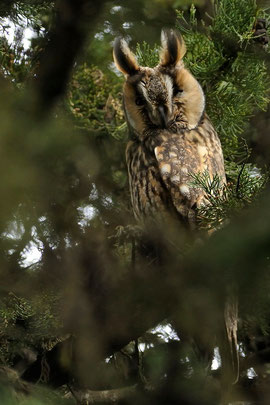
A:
{"points": [[80, 316]]}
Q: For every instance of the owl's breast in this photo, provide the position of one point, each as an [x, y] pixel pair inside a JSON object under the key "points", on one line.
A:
{"points": [[161, 176], [148, 193]]}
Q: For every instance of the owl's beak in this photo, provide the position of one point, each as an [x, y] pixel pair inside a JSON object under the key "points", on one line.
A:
{"points": [[159, 116], [162, 116]]}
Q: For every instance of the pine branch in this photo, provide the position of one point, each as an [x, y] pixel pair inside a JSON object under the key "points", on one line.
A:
{"points": [[246, 183]]}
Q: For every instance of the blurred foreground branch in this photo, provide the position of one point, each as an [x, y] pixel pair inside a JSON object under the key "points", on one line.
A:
{"points": [[105, 396], [153, 292], [73, 22]]}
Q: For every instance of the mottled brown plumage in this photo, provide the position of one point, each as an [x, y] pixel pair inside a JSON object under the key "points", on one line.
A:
{"points": [[172, 138]]}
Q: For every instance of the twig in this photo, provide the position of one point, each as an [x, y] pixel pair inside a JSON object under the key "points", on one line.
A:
{"points": [[104, 396], [238, 181]]}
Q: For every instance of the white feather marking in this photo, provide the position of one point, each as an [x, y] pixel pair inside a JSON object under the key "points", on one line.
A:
{"points": [[175, 179], [169, 86], [202, 150], [184, 190], [163, 39], [165, 169], [202, 99], [144, 92], [198, 109], [124, 46], [158, 152]]}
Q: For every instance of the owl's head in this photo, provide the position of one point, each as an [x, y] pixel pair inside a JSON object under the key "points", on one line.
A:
{"points": [[164, 97]]}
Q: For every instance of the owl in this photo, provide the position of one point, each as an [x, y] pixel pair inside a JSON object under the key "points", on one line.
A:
{"points": [[171, 137]]}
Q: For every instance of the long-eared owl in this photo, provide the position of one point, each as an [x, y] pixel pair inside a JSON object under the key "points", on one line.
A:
{"points": [[171, 135]]}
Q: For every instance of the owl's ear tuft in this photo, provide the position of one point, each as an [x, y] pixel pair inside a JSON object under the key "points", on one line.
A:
{"points": [[124, 59], [173, 48]]}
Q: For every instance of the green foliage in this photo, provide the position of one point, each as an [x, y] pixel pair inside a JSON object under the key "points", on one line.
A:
{"points": [[14, 63], [203, 58], [17, 61], [95, 102], [34, 13], [223, 202], [147, 55], [234, 99], [28, 322], [235, 19], [13, 395]]}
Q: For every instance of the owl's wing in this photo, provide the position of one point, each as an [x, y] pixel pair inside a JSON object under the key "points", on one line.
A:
{"points": [[181, 155], [176, 162]]}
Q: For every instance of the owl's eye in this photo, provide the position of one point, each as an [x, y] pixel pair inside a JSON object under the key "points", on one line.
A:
{"points": [[177, 91], [139, 101]]}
